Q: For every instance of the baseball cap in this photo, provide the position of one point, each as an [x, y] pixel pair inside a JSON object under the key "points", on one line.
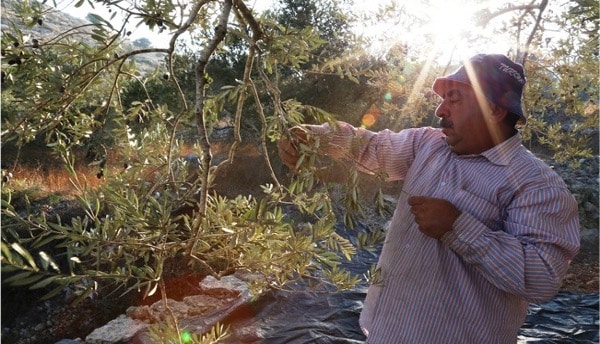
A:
{"points": [[501, 80]]}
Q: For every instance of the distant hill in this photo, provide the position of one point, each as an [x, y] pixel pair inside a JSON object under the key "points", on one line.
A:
{"points": [[52, 23], [55, 22]]}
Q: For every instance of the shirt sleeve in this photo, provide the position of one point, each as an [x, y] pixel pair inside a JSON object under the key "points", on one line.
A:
{"points": [[531, 255], [387, 152]]}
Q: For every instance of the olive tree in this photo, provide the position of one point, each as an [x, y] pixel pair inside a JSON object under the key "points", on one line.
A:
{"points": [[159, 213]]}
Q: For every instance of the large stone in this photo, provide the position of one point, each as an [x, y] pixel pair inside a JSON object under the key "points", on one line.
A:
{"points": [[195, 313], [119, 330]]}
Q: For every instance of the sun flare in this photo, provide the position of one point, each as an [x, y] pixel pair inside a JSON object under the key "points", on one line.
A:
{"points": [[448, 26], [446, 29], [449, 21]]}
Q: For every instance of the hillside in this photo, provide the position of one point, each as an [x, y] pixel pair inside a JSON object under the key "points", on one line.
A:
{"points": [[54, 22]]}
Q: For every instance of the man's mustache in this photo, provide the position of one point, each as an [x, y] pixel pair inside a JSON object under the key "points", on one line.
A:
{"points": [[444, 123]]}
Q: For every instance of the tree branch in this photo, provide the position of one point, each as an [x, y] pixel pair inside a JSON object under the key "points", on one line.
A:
{"points": [[541, 9], [257, 32], [182, 28], [201, 83]]}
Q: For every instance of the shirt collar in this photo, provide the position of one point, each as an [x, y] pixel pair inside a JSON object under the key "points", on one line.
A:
{"points": [[502, 154]]}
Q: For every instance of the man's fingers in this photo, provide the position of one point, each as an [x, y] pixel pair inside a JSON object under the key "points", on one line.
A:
{"points": [[288, 146], [298, 134], [417, 200], [288, 153]]}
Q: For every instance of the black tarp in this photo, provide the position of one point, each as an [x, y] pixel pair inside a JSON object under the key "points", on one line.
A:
{"points": [[301, 316], [568, 318]]}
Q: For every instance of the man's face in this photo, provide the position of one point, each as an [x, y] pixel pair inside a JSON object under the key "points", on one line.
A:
{"points": [[463, 121]]}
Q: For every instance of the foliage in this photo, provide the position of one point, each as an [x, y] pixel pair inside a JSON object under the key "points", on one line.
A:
{"points": [[326, 18], [562, 73], [132, 228], [563, 86]]}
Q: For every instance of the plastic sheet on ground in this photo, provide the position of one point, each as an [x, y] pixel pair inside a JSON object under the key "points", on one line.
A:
{"points": [[329, 318], [568, 318], [303, 317]]}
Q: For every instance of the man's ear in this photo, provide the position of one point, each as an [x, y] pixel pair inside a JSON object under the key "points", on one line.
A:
{"points": [[498, 113]]}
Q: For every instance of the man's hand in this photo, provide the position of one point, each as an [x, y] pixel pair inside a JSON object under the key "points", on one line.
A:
{"points": [[435, 216], [288, 146]]}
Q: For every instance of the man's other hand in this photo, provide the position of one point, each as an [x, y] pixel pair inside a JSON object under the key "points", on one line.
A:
{"points": [[435, 216]]}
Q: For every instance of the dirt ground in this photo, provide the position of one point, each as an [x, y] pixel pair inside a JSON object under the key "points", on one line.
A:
{"points": [[583, 273]]}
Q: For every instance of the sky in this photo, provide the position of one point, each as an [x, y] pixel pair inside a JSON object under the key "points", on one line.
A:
{"points": [[158, 40], [141, 31], [448, 21]]}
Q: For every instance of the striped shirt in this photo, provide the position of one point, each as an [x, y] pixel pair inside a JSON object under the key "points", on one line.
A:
{"points": [[511, 245]]}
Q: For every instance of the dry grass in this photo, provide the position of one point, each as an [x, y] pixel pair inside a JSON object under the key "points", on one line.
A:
{"points": [[37, 174], [41, 182]]}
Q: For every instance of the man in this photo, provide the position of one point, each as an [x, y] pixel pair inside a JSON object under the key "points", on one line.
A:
{"points": [[481, 228]]}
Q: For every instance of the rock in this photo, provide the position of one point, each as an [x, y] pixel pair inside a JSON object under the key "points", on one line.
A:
{"points": [[121, 329], [227, 284], [590, 235], [247, 333], [192, 159], [589, 207], [142, 313], [195, 313]]}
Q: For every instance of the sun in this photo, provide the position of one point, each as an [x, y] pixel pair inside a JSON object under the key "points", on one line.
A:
{"points": [[456, 32], [443, 28], [449, 22]]}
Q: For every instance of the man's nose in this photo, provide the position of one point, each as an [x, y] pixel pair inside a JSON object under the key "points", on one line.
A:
{"points": [[441, 110]]}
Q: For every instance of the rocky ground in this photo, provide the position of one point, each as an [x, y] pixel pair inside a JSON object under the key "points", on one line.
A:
{"points": [[583, 183], [25, 319]]}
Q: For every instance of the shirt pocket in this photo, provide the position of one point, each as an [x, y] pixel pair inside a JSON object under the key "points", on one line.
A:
{"points": [[490, 214]]}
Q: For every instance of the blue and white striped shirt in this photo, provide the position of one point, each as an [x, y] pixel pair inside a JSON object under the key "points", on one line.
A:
{"points": [[512, 244]]}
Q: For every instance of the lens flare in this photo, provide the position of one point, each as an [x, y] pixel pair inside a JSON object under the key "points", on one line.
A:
{"points": [[388, 96], [186, 337], [369, 118]]}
